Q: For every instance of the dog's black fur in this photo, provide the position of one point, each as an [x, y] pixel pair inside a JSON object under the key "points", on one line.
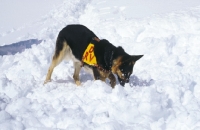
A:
{"points": [[77, 36], [110, 59]]}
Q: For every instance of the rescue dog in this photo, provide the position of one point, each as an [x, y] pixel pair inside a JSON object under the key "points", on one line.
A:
{"points": [[100, 57]]}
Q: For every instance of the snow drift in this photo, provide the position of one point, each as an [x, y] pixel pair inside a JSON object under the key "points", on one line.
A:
{"points": [[164, 92]]}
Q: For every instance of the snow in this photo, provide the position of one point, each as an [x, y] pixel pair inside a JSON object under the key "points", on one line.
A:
{"points": [[164, 89]]}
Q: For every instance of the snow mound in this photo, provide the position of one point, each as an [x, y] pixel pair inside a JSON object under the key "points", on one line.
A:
{"points": [[164, 91]]}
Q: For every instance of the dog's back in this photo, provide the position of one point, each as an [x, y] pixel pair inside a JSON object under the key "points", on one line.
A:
{"points": [[77, 36]]}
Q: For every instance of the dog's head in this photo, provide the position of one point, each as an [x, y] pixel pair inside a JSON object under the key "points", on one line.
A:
{"points": [[123, 67]]}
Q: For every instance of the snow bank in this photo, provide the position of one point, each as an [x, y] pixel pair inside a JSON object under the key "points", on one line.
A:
{"points": [[163, 92], [18, 47]]}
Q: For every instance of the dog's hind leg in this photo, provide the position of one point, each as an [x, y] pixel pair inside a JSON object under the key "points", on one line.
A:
{"points": [[60, 53], [77, 68]]}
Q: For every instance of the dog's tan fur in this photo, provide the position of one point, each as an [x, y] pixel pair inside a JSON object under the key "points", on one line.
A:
{"points": [[115, 68]]}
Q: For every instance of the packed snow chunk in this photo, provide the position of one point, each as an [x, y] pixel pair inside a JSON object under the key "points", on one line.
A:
{"points": [[4, 101], [158, 125], [19, 106], [111, 125], [12, 125], [4, 116]]}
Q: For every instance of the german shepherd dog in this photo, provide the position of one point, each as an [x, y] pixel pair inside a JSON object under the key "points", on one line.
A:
{"points": [[100, 57]]}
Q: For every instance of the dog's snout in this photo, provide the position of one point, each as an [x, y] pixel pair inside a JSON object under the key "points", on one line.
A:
{"points": [[127, 80]]}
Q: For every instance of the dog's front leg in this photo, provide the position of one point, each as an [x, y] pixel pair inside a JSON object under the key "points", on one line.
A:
{"points": [[96, 73], [112, 79]]}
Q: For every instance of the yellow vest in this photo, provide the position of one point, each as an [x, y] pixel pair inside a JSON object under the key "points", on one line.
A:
{"points": [[89, 56]]}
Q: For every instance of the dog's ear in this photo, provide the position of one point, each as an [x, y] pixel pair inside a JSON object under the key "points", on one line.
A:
{"points": [[136, 57]]}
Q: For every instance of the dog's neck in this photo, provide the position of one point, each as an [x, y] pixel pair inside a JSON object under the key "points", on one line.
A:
{"points": [[111, 56]]}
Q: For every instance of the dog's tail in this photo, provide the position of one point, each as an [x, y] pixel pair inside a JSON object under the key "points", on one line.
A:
{"points": [[59, 46]]}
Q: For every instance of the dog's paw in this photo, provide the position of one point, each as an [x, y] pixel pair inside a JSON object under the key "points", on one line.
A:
{"points": [[78, 83], [113, 84], [46, 81]]}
